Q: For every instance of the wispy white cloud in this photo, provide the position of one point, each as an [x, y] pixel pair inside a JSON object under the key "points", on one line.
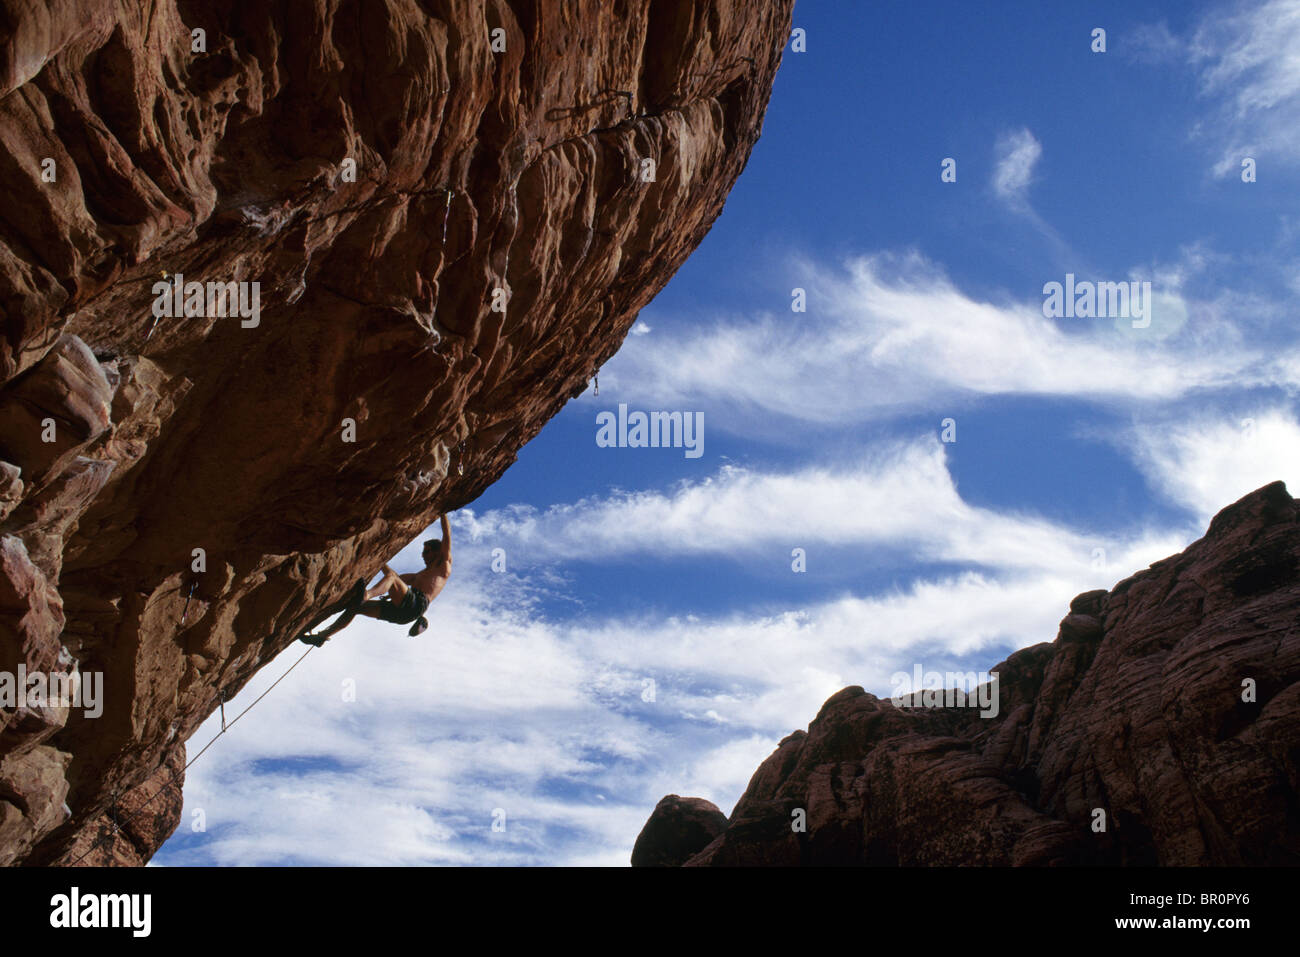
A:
{"points": [[898, 503], [892, 333], [1207, 460], [1247, 55], [1017, 157]]}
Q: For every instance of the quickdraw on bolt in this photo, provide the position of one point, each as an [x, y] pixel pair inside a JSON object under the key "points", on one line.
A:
{"points": [[155, 315], [186, 610]]}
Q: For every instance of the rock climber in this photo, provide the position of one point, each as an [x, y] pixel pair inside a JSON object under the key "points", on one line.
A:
{"points": [[407, 597]]}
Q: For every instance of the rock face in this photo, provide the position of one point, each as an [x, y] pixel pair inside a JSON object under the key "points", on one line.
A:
{"points": [[452, 211], [1170, 705], [678, 829]]}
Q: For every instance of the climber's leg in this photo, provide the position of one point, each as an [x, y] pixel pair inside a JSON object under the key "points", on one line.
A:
{"points": [[394, 586], [353, 597], [392, 607], [398, 591], [320, 637], [385, 584], [380, 588], [380, 608]]}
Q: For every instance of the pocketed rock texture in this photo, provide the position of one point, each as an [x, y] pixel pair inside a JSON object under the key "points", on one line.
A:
{"points": [[1136, 710], [454, 210]]}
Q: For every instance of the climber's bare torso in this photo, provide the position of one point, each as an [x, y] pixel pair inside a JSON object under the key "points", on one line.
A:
{"points": [[430, 580]]}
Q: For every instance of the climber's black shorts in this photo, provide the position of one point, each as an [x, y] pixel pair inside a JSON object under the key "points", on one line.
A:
{"points": [[411, 607]]}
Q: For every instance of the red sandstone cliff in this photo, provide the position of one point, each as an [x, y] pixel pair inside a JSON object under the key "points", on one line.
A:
{"points": [[1137, 710], [564, 156]]}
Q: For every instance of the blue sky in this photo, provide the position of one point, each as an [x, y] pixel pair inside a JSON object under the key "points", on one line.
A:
{"points": [[1085, 448]]}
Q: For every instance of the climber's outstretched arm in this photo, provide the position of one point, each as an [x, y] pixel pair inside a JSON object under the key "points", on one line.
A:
{"points": [[444, 556]]}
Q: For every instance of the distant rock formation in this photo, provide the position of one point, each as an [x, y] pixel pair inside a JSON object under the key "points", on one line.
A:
{"points": [[1167, 708], [679, 828], [452, 212]]}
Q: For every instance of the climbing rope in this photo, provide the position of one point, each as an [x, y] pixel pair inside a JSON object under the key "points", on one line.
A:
{"points": [[112, 815]]}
